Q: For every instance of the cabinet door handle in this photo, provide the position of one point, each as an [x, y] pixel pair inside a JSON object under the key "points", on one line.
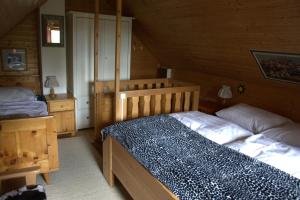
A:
{"points": [[87, 117], [87, 102]]}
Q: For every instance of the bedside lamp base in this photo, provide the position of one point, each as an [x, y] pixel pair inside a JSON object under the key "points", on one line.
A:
{"points": [[52, 93]]}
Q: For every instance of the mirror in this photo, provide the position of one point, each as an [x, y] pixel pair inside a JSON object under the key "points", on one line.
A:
{"points": [[53, 31]]}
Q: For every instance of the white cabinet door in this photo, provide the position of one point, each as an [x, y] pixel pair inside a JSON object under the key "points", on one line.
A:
{"points": [[108, 67], [83, 60]]}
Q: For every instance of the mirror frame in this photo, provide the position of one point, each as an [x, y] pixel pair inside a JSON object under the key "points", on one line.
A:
{"points": [[45, 19]]}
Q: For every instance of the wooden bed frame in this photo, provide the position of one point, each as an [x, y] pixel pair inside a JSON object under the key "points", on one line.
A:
{"points": [[129, 103], [117, 162], [28, 142], [105, 97]]}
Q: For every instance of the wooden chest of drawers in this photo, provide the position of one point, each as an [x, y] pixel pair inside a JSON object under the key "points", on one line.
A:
{"points": [[63, 108]]}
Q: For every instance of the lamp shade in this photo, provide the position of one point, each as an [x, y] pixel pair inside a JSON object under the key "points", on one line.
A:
{"points": [[51, 82], [225, 92]]}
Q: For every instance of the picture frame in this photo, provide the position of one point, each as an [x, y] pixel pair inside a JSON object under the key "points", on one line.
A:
{"points": [[53, 31], [278, 66], [14, 59]]}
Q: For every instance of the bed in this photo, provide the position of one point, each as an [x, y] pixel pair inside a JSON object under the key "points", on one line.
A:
{"points": [[124, 159], [27, 133]]}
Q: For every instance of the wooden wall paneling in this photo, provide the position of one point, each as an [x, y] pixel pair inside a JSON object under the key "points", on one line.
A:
{"points": [[274, 96], [143, 63], [14, 11], [24, 35], [212, 49]]}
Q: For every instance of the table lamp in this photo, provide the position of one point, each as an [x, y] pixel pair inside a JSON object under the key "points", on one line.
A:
{"points": [[51, 82], [225, 93]]}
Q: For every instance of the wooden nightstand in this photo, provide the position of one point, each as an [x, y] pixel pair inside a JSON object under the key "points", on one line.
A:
{"points": [[209, 107], [63, 108]]}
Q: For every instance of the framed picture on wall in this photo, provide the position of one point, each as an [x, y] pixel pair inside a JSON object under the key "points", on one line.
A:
{"points": [[278, 66], [52, 31], [13, 60]]}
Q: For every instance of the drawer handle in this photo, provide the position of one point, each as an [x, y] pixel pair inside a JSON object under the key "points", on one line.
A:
{"points": [[87, 117], [61, 106], [87, 102]]}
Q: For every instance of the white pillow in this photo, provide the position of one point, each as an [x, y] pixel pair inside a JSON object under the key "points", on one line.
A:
{"points": [[15, 94], [288, 134], [251, 118], [212, 127]]}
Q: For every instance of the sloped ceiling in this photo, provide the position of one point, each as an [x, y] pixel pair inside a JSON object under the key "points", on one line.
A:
{"points": [[13, 12], [215, 36]]}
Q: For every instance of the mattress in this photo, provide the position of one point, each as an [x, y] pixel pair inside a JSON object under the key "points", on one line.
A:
{"points": [[23, 109]]}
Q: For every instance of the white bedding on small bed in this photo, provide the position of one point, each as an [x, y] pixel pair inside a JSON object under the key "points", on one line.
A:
{"points": [[261, 146]]}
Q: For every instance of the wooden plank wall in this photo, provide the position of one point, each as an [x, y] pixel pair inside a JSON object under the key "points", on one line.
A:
{"points": [[143, 63], [24, 35], [216, 36], [14, 11], [274, 96], [208, 42]]}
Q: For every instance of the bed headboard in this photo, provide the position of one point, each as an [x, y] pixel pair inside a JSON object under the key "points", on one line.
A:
{"points": [[142, 103], [21, 82]]}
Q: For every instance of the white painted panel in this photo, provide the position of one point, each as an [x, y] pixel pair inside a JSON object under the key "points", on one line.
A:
{"points": [[84, 118], [109, 43], [84, 102], [84, 71], [83, 59]]}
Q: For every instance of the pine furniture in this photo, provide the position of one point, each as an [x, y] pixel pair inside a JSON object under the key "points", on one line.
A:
{"points": [[117, 161], [28, 142], [62, 107]]}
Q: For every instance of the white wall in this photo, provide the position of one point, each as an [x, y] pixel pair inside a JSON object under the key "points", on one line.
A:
{"points": [[54, 58]]}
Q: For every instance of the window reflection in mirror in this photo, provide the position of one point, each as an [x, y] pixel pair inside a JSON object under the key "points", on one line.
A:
{"points": [[53, 30]]}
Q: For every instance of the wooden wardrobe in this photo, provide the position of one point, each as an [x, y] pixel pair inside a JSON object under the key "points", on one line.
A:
{"points": [[80, 48]]}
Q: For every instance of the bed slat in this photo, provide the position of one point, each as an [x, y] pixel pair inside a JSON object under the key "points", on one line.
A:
{"points": [[187, 101]]}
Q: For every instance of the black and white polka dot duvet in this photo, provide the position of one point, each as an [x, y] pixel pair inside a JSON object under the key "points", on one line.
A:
{"points": [[193, 167]]}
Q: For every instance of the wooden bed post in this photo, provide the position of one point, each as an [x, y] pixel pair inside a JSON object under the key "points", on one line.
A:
{"points": [[117, 115], [96, 64], [107, 161]]}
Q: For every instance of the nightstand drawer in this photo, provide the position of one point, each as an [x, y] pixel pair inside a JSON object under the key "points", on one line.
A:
{"points": [[56, 106]]}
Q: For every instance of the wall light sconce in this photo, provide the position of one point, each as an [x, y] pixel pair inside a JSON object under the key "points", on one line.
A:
{"points": [[241, 88]]}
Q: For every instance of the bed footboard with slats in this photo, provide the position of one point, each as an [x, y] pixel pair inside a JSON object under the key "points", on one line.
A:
{"points": [[142, 103]]}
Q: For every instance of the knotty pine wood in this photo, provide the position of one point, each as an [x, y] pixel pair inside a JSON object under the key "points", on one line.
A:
{"points": [[62, 107], [24, 35], [215, 36], [29, 142], [274, 96]]}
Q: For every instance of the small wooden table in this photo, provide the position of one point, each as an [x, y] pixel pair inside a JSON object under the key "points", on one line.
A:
{"points": [[62, 106], [209, 107]]}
